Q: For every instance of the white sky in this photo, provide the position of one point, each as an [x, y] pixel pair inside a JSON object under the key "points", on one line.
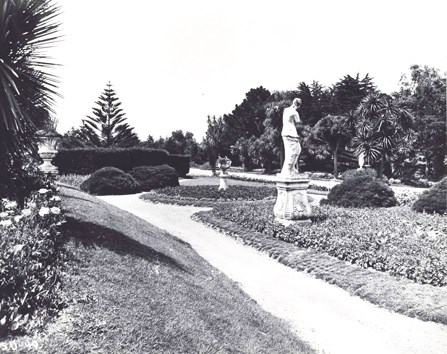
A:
{"points": [[173, 62]]}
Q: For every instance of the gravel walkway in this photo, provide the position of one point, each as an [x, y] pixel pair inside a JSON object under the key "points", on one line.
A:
{"points": [[330, 319]]}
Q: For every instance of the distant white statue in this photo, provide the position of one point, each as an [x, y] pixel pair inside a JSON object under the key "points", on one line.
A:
{"points": [[361, 158], [292, 147]]}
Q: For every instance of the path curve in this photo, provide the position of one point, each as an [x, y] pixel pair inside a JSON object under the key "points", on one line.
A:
{"points": [[327, 317]]}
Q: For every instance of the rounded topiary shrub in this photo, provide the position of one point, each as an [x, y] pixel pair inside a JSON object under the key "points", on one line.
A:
{"points": [[110, 180], [359, 173], [153, 177], [361, 192], [434, 200]]}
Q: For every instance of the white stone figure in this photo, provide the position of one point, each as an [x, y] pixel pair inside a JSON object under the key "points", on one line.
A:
{"points": [[292, 146], [292, 204], [224, 163], [361, 158]]}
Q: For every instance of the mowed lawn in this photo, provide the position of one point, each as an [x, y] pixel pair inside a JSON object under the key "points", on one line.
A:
{"points": [[132, 288]]}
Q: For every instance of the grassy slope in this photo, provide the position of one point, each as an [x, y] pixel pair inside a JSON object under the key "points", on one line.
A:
{"points": [[137, 289]]}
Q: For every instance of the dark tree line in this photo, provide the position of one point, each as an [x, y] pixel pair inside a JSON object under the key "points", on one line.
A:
{"points": [[340, 123]]}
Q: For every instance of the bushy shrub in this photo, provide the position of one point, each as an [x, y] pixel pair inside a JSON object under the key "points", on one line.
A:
{"points": [[180, 163], [110, 180], [209, 193], [152, 177], [88, 160], [30, 260], [359, 173], [434, 200], [397, 240], [361, 192]]}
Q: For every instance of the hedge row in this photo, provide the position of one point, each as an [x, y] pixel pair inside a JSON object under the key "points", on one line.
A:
{"points": [[88, 160]]}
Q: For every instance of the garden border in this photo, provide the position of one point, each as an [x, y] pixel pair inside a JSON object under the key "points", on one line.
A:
{"points": [[374, 286]]}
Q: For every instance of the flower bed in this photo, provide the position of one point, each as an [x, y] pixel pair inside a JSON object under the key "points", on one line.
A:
{"points": [[30, 260], [211, 193], [396, 240]]}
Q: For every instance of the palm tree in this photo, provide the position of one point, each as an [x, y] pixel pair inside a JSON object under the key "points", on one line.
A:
{"points": [[27, 29], [384, 122]]}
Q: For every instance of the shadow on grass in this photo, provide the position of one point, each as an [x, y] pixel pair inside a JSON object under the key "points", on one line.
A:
{"points": [[90, 235]]}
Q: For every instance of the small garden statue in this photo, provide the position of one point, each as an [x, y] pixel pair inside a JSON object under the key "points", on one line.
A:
{"points": [[47, 150], [361, 158], [224, 164]]}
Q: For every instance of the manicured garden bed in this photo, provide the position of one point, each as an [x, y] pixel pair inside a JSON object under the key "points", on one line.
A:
{"points": [[395, 240], [208, 195]]}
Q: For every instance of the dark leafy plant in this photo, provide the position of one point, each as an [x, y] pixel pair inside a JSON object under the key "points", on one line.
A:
{"points": [[434, 200], [358, 173], [110, 180], [27, 89], [361, 192], [153, 177]]}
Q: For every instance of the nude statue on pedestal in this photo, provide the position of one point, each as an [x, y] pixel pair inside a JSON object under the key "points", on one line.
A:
{"points": [[292, 147]]}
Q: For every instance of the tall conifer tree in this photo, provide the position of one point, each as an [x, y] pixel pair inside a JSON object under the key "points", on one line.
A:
{"points": [[107, 127]]}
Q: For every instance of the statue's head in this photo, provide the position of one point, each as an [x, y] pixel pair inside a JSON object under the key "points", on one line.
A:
{"points": [[296, 103]]}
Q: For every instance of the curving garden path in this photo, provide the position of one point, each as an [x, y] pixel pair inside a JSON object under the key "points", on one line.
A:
{"points": [[329, 318]]}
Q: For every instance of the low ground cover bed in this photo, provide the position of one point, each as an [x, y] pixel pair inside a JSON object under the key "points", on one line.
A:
{"points": [[209, 193], [395, 240]]}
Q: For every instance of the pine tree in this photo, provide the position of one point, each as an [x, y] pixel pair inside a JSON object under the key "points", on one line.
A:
{"points": [[107, 127]]}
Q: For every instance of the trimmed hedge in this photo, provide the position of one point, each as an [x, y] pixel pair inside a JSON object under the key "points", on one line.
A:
{"points": [[152, 177], [434, 200], [180, 163], [89, 160], [361, 192], [110, 180]]}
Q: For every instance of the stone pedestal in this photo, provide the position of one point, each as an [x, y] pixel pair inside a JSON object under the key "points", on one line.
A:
{"points": [[292, 204], [47, 151], [223, 181]]}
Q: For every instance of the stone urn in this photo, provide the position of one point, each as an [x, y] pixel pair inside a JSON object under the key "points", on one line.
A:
{"points": [[224, 163], [48, 142]]}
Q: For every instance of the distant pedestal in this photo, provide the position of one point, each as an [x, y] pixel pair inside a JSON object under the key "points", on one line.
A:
{"points": [[292, 205], [223, 181]]}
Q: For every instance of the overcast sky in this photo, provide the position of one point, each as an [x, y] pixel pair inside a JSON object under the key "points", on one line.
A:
{"points": [[173, 62]]}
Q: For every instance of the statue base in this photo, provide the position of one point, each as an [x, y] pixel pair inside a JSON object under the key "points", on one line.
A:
{"points": [[223, 181], [292, 204]]}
